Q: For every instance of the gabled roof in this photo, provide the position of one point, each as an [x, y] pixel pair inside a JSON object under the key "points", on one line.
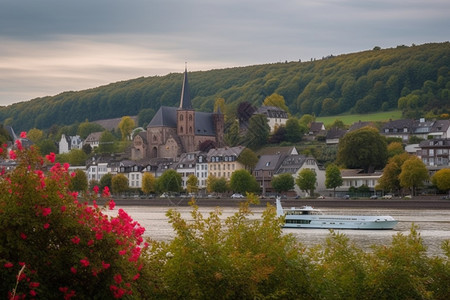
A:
{"points": [[272, 112], [335, 133], [270, 162], [359, 125], [291, 164], [204, 123], [232, 151]]}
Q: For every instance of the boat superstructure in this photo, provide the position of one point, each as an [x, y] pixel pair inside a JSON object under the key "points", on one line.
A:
{"points": [[309, 217]]}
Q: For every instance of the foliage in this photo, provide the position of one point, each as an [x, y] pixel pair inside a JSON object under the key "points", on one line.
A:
{"points": [[107, 142], [145, 116], [441, 179], [348, 119], [363, 148], [148, 183], [283, 182], [306, 181], [75, 157], [54, 247], [232, 137], [245, 111], [126, 126], [86, 128], [248, 158], [47, 146], [258, 132], [371, 80], [79, 181], [169, 181], [119, 184], [390, 181], [192, 184], [333, 177], [395, 148], [277, 101], [413, 174], [294, 132], [106, 181], [35, 135], [216, 185], [225, 259], [242, 181]]}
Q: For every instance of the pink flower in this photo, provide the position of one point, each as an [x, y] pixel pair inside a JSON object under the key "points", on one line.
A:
{"points": [[112, 204], [122, 252], [75, 240], [66, 166], [99, 235], [8, 265], [46, 226], [23, 236], [96, 189], [23, 134], [90, 243], [73, 270], [33, 293], [12, 154], [84, 262], [105, 265], [63, 208], [34, 285], [46, 211], [51, 157], [136, 277], [19, 145], [106, 192]]}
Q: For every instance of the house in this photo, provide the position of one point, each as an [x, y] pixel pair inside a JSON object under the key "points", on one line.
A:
{"points": [[267, 166], [98, 166], [93, 139], [294, 164], [222, 162], [359, 125], [133, 171], [404, 129], [334, 135], [68, 143], [201, 170], [357, 177], [316, 128], [177, 130], [435, 153], [186, 166], [276, 116]]}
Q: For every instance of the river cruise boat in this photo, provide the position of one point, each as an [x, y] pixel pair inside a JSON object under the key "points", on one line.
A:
{"points": [[309, 217]]}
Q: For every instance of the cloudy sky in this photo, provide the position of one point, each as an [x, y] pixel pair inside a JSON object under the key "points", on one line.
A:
{"points": [[51, 46]]}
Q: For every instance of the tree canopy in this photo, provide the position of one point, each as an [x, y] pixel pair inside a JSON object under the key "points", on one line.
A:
{"points": [[306, 181], [283, 182], [413, 174]]}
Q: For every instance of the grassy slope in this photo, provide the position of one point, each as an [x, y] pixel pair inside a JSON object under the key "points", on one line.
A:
{"points": [[350, 119]]}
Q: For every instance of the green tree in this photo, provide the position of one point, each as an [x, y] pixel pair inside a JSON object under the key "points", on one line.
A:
{"points": [[119, 184], [248, 158], [220, 185], [126, 126], [242, 181], [145, 116], [441, 179], [148, 183], [47, 146], [220, 103], [363, 148], [307, 119], [306, 181], [86, 128], [192, 184], [294, 132], [169, 181], [77, 157], [390, 181], [337, 124], [232, 137], [333, 178], [258, 131], [79, 182], [107, 142], [413, 174], [277, 101], [283, 182], [35, 135], [395, 148], [106, 180]]}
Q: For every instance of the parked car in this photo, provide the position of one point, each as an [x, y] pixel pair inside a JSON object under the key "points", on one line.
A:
{"points": [[346, 197], [388, 196], [236, 196], [374, 197], [321, 197]]}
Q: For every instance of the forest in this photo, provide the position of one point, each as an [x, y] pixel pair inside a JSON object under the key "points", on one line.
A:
{"points": [[415, 79]]}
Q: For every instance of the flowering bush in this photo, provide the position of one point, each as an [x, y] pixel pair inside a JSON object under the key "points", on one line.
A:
{"points": [[52, 246]]}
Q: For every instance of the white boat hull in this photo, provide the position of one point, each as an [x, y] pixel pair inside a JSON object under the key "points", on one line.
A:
{"points": [[307, 217]]}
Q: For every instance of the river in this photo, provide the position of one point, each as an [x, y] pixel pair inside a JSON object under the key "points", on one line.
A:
{"points": [[434, 225]]}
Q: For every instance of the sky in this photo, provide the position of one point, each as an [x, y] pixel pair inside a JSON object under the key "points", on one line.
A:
{"points": [[51, 46]]}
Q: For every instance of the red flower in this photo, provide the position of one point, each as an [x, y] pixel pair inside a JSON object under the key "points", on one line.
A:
{"points": [[73, 270], [51, 157], [63, 208], [96, 189], [34, 285], [105, 265], [46, 211], [12, 154], [118, 278], [90, 243], [46, 226], [84, 262], [106, 192], [99, 235], [19, 145], [23, 236], [33, 293], [112, 204], [75, 240], [136, 277], [8, 265], [23, 134], [122, 252]]}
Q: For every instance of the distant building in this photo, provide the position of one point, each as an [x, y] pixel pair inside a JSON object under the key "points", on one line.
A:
{"points": [[276, 116], [435, 153], [334, 135], [406, 128], [68, 143], [357, 177], [177, 130], [93, 139], [222, 162]]}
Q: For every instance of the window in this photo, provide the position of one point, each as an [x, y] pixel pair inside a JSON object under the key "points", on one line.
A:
{"points": [[181, 118]]}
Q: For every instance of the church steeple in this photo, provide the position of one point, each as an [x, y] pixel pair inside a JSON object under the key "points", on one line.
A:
{"points": [[185, 102]]}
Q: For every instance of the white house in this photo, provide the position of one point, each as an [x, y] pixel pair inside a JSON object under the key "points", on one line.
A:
{"points": [[68, 143], [275, 116]]}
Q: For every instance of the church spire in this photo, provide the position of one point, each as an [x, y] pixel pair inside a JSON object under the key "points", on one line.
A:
{"points": [[185, 102]]}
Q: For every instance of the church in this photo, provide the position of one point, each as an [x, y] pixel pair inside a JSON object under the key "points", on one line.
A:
{"points": [[177, 130]]}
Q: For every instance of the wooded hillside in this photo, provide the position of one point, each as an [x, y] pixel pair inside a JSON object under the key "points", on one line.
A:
{"points": [[415, 79]]}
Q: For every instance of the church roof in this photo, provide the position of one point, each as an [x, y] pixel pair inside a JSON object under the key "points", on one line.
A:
{"points": [[185, 102], [204, 123], [165, 116]]}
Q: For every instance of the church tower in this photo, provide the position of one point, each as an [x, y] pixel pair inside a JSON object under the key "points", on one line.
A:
{"points": [[186, 118]]}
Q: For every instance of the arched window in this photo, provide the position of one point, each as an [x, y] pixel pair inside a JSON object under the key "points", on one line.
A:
{"points": [[190, 118], [181, 117], [190, 129], [181, 129]]}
